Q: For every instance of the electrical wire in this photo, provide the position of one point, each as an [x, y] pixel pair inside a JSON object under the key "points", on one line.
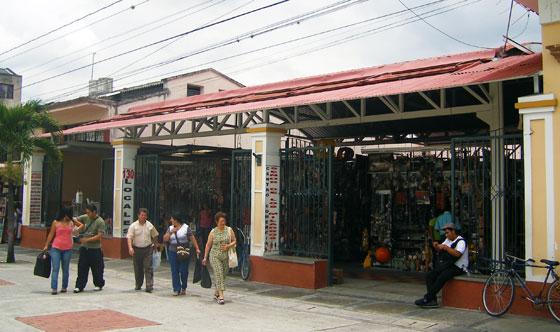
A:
{"points": [[508, 24], [444, 33], [69, 33], [176, 40], [437, 11], [159, 42], [61, 27]]}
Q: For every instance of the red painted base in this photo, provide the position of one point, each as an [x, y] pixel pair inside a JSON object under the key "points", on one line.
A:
{"points": [[310, 275], [468, 295], [35, 238]]}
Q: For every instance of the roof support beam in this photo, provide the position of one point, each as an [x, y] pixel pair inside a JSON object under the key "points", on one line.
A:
{"points": [[389, 103], [476, 95], [286, 116], [350, 108], [428, 99], [318, 111], [392, 116]]}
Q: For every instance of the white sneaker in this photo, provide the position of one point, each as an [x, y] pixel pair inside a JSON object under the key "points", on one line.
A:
{"points": [[97, 289]]}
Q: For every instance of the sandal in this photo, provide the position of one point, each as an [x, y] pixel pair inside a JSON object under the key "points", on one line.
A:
{"points": [[221, 301], [183, 291], [216, 297], [63, 290], [53, 292], [175, 293]]}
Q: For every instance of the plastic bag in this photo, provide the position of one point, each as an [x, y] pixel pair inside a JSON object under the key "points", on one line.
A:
{"points": [[205, 282], [232, 256], [197, 275], [156, 259], [43, 265]]}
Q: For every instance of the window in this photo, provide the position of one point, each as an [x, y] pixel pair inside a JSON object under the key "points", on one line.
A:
{"points": [[6, 91], [193, 90]]}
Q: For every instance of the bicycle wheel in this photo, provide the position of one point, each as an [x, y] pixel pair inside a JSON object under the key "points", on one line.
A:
{"points": [[553, 300], [498, 293], [245, 267]]}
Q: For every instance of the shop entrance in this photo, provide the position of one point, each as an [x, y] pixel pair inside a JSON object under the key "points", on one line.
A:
{"points": [[240, 209], [488, 192]]}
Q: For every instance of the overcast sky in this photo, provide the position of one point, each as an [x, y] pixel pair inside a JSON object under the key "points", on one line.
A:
{"points": [[347, 35]]}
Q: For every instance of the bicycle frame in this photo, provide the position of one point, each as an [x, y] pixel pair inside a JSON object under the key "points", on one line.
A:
{"points": [[533, 298]]}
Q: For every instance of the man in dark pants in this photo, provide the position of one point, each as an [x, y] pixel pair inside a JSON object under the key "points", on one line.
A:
{"points": [[91, 255], [142, 238], [456, 260]]}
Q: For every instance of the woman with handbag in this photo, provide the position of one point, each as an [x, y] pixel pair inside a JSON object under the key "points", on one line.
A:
{"points": [[61, 251], [178, 236], [220, 240]]}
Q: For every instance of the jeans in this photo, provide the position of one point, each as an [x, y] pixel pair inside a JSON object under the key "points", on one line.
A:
{"points": [[179, 271], [58, 256]]}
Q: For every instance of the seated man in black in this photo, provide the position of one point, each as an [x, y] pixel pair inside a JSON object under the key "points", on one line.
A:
{"points": [[452, 260]]}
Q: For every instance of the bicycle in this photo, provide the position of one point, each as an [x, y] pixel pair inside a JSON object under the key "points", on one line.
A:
{"points": [[499, 290], [244, 261]]}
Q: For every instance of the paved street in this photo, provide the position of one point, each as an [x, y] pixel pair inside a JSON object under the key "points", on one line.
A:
{"points": [[356, 305]]}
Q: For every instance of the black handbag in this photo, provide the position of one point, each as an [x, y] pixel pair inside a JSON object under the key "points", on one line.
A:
{"points": [[197, 275], [183, 251], [43, 265], [445, 260], [206, 282]]}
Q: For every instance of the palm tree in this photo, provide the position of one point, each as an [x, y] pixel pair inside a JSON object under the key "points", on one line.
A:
{"points": [[18, 126]]}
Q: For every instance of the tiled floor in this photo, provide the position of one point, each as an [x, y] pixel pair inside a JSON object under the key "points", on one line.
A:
{"points": [[86, 321], [5, 283]]}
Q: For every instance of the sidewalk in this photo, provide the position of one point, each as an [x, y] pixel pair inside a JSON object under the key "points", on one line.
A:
{"points": [[356, 305]]}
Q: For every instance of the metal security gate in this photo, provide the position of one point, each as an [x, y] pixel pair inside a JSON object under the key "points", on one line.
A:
{"points": [[306, 199], [488, 191], [51, 192], [146, 185], [107, 191], [240, 207]]}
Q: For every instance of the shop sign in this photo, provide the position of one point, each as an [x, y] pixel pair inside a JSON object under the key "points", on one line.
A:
{"points": [[127, 216], [35, 199], [272, 207]]}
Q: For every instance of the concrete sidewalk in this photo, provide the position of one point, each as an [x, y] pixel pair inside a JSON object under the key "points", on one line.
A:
{"points": [[356, 305]]}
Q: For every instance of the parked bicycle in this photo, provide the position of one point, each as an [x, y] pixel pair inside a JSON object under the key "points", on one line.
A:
{"points": [[499, 290], [244, 261]]}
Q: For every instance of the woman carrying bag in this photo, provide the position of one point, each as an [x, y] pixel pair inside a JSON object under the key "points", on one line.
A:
{"points": [[178, 236], [61, 251], [220, 240]]}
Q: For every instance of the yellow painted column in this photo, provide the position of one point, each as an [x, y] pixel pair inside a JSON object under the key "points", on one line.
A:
{"points": [[265, 188], [549, 14], [123, 194]]}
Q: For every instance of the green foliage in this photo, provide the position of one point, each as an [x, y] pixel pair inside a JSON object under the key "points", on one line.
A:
{"points": [[12, 172], [18, 126]]}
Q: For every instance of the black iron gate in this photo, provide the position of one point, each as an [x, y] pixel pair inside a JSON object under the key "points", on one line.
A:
{"points": [[488, 191], [146, 185], [51, 192], [107, 192], [306, 199], [240, 207]]}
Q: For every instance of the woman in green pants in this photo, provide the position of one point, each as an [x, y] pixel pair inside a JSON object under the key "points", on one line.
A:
{"points": [[220, 240]]}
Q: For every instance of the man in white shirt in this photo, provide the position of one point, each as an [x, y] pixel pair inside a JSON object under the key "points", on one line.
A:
{"points": [[453, 259], [142, 238]]}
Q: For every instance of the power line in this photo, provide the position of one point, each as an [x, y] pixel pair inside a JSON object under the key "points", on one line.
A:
{"points": [[160, 41], [444, 33], [73, 31], [61, 27], [135, 29], [343, 39]]}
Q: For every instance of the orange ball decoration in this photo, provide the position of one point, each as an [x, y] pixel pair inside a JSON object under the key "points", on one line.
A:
{"points": [[382, 255]]}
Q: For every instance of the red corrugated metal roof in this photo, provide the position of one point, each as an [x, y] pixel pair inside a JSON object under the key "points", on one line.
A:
{"points": [[420, 75]]}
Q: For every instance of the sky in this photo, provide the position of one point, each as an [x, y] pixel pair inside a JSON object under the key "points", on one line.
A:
{"points": [[58, 46]]}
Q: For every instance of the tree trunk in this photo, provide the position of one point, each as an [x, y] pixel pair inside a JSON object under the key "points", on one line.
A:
{"points": [[10, 218]]}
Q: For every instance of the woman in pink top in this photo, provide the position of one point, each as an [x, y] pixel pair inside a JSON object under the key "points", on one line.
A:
{"points": [[61, 231]]}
